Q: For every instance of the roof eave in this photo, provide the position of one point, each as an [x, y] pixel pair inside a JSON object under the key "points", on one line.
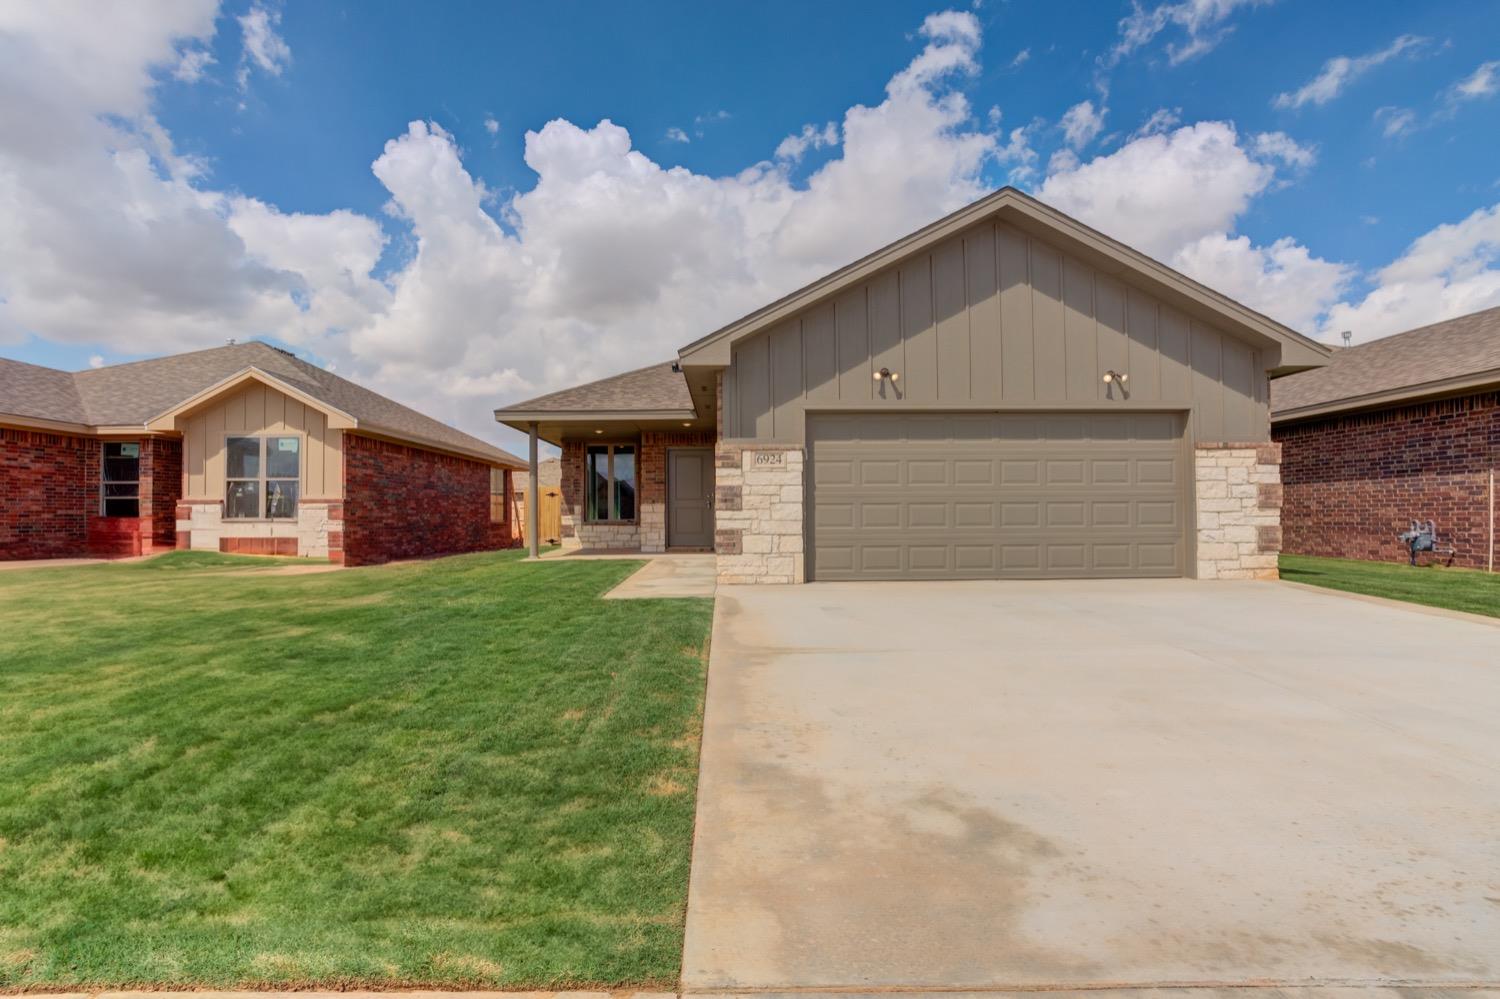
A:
{"points": [[510, 417], [501, 459], [1460, 385]]}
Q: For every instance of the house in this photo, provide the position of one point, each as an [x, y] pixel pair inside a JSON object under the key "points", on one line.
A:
{"points": [[1398, 429], [1004, 393], [243, 448]]}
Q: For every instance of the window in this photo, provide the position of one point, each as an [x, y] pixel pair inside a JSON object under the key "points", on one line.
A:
{"points": [[120, 488], [261, 476], [609, 479]]}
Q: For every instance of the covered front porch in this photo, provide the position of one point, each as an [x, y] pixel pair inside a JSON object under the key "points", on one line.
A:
{"points": [[637, 461]]}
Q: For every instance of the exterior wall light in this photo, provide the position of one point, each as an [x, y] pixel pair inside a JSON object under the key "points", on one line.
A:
{"points": [[894, 376], [1115, 376]]}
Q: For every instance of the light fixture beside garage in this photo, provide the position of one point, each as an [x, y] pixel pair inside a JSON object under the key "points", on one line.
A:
{"points": [[1112, 376], [883, 373]]}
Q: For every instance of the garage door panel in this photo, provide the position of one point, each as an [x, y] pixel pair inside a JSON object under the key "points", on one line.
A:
{"points": [[1064, 472], [833, 471], [977, 496], [976, 514], [929, 558], [1156, 471], [1017, 473], [928, 472]]}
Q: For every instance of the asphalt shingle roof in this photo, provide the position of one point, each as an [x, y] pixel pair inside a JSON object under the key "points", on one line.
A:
{"points": [[131, 394], [1454, 348], [652, 388]]}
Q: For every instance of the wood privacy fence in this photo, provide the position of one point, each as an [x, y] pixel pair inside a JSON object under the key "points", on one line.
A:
{"points": [[549, 514]]}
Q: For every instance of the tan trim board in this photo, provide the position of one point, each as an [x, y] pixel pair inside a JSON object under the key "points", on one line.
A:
{"points": [[337, 418], [56, 426], [1421, 392], [80, 429]]}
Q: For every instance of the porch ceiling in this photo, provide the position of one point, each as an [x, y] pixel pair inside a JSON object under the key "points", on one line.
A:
{"points": [[556, 428]]}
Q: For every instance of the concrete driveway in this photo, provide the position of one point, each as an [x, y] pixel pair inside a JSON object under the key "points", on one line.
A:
{"points": [[1077, 783]]}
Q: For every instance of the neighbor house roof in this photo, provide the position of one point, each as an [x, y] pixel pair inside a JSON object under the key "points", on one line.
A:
{"points": [[140, 392], [657, 389], [1446, 357]]}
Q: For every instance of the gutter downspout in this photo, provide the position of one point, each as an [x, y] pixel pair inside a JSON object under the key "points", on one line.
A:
{"points": [[532, 513], [1492, 521]]}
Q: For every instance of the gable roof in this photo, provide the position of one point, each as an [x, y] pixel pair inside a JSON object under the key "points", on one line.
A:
{"points": [[136, 393], [1297, 352], [657, 391], [1449, 356]]}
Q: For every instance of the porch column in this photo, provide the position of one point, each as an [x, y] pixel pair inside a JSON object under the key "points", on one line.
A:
{"points": [[533, 518]]}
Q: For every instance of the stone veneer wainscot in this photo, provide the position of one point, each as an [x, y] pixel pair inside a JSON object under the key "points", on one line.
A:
{"points": [[1238, 493], [758, 500]]}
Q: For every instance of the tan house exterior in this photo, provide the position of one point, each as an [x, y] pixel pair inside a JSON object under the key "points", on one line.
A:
{"points": [[1005, 393], [244, 449]]}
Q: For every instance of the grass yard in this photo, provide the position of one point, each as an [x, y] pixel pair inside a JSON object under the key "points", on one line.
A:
{"points": [[1436, 586], [469, 771]]}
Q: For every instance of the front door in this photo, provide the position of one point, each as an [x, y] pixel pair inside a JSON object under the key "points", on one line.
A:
{"points": [[690, 496]]}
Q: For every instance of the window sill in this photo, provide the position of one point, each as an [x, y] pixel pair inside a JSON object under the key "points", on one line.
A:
{"points": [[258, 520], [610, 523]]}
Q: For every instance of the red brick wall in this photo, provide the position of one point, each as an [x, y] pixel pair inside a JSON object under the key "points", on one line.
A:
{"points": [[161, 488], [44, 494], [1353, 482], [406, 502]]}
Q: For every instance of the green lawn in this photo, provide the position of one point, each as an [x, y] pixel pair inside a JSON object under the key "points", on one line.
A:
{"points": [[469, 771], [1454, 589]]}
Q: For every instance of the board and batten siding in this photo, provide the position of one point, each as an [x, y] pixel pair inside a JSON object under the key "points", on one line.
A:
{"points": [[254, 410], [993, 318]]}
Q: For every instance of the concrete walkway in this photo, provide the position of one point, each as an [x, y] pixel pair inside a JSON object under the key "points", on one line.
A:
{"points": [[671, 575], [1065, 785]]}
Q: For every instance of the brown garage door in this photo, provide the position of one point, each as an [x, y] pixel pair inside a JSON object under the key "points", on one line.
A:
{"points": [[992, 495]]}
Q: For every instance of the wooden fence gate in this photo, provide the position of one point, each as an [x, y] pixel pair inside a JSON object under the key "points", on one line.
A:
{"points": [[549, 515]]}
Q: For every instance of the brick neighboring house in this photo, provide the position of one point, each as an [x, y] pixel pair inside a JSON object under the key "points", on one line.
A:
{"points": [[243, 448], [1398, 429], [1005, 393]]}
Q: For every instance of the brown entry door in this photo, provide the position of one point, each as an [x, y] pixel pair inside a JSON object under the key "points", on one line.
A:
{"points": [[690, 490]]}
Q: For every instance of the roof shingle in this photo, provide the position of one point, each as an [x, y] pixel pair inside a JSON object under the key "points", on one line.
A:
{"points": [[133, 393], [1454, 348], [654, 388]]}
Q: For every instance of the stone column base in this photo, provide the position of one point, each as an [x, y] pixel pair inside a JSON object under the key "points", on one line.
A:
{"points": [[758, 501], [1238, 491]]}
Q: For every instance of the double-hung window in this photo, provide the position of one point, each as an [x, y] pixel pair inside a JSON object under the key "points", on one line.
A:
{"points": [[262, 475], [120, 485], [609, 475]]}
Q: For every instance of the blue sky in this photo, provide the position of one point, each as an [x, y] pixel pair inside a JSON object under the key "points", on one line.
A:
{"points": [[377, 185]]}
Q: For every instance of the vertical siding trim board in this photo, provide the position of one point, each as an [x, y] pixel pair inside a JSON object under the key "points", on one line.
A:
{"points": [[994, 318]]}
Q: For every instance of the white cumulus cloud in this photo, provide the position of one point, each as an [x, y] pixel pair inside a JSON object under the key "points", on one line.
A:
{"points": [[1082, 123]]}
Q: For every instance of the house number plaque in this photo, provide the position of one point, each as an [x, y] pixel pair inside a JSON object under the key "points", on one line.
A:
{"points": [[770, 458]]}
